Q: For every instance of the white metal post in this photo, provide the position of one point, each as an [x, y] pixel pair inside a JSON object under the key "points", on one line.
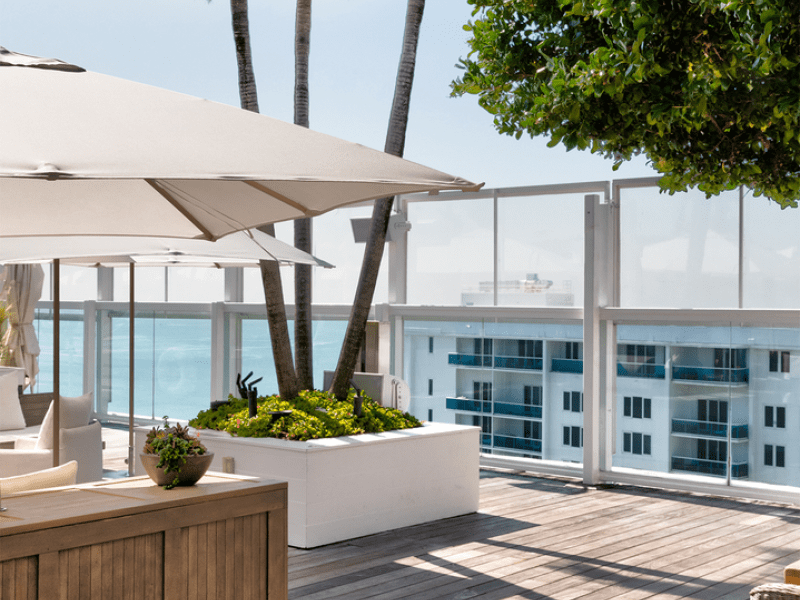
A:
{"points": [[591, 345]]}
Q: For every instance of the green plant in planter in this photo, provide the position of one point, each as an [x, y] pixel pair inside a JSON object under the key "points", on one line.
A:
{"points": [[172, 445], [314, 414]]}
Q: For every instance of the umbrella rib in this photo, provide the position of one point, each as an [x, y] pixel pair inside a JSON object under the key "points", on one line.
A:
{"points": [[180, 208], [262, 188]]}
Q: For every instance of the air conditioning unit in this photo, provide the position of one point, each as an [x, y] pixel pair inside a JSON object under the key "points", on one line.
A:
{"points": [[387, 390]]}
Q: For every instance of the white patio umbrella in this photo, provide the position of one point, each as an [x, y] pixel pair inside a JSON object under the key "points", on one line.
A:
{"points": [[241, 249], [89, 154], [22, 288]]}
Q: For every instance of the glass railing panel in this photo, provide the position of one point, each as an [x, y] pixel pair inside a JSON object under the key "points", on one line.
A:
{"points": [[567, 365], [679, 254], [628, 369], [515, 443], [470, 360], [172, 365], [465, 404], [450, 252], [71, 371], [509, 402], [730, 400], [539, 252], [327, 336], [518, 410], [771, 277], [518, 362], [710, 374]]}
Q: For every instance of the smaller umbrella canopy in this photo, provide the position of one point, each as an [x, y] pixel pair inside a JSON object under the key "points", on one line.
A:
{"points": [[22, 288], [244, 248], [241, 249]]}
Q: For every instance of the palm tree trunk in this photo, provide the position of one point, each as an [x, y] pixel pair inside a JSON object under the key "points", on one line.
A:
{"points": [[382, 209], [270, 273], [303, 343]]}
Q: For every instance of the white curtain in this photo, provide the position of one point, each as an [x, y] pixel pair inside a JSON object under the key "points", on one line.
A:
{"points": [[21, 289]]}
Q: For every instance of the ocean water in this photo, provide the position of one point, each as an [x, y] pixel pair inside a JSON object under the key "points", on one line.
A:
{"points": [[172, 361]]}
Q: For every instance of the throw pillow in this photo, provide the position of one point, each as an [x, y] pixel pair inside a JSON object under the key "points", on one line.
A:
{"points": [[11, 416], [75, 412]]}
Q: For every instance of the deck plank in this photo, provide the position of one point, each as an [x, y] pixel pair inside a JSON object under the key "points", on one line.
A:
{"points": [[537, 537]]}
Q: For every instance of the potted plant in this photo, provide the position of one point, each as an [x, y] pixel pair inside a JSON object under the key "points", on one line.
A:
{"points": [[173, 456]]}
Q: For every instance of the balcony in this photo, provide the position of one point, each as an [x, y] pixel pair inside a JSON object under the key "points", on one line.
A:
{"points": [[710, 374], [469, 360], [464, 404], [518, 410], [518, 362], [516, 443], [647, 371], [709, 429], [567, 365], [709, 467]]}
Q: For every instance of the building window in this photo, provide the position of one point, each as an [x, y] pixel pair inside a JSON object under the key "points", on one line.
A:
{"points": [[712, 450], [636, 443], [715, 411], [430, 414], [637, 407], [529, 348], [573, 350], [776, 452], [430, 345], [483, 346], [532, 430], [430, 387], [482, 390], [775, 416], [532, 395], [573, 401], [779, 361], [573, 436]]}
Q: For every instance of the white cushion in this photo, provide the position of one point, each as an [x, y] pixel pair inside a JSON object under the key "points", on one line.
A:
{"points": [[55, 477], [11, 416], [74, 412]]}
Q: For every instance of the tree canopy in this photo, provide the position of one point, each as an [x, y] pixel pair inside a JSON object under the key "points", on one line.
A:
{"points": [[708, 90]]}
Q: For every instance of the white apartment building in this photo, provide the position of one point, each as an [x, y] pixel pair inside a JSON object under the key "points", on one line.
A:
{"points": [[688, 399]]}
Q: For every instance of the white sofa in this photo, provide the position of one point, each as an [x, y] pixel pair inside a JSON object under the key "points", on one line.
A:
{"points": [[80, 439]]}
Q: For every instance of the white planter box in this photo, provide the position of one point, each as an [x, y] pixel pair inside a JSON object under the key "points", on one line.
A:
{"points": [[347, 487]]}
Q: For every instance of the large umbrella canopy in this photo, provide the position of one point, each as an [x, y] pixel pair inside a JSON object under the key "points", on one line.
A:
{"points": [[22, 287], [89, 154]]}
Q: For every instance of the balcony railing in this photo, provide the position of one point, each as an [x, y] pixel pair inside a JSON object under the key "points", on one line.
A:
{"points": [[567, 365], [469, 360], [709, 428], [518, 410], [712, 374], [518, 362], [478, 406], [516, 443], [739, 470], [649, 371]]}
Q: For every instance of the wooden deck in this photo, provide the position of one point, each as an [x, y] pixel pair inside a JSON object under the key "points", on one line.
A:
{"points": [[552, 538]]}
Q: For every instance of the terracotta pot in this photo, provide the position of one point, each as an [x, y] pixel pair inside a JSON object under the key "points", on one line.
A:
{"points": [[189, 473]]}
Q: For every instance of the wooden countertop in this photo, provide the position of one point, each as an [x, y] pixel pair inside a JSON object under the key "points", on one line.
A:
{"points": [[73, 505]]}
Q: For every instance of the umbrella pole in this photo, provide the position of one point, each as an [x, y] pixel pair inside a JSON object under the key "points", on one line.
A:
{"points": [[56, 361], [130, 373]]}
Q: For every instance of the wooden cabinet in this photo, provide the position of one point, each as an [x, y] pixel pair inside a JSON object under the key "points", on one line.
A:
{"points": [[224, 538]]}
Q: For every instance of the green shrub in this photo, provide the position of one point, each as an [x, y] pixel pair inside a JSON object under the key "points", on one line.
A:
{"points": [[314, 415]]}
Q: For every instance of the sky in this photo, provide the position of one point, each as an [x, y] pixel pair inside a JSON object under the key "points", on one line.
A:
{"points": [[187, 46]]}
